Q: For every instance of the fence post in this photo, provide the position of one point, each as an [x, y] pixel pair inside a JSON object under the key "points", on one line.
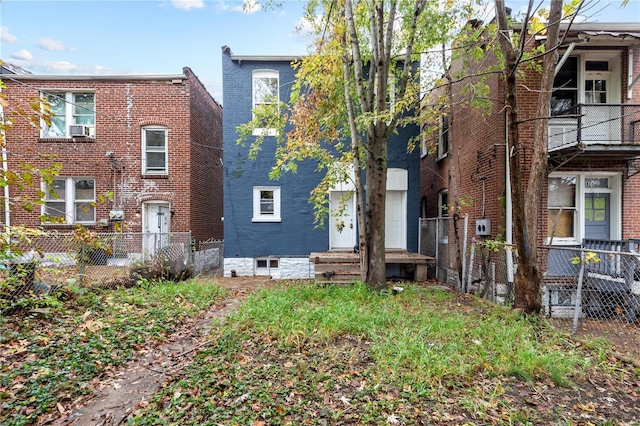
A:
{"points": [[437, 246], [464, 249], [578, 309], [83, 252], [509, 253], [465, 289], [493, 282], [419, 235]]}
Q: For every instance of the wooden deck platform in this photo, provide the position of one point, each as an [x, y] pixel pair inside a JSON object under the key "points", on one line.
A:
{"points": [[345, 265]]}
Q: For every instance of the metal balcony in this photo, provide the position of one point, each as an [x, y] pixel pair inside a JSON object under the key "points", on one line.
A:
{"points": [[595, 125]]}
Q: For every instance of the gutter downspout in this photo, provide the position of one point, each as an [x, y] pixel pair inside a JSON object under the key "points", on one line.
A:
{"points": [[564, 58], [509, 210], [5, 168]]}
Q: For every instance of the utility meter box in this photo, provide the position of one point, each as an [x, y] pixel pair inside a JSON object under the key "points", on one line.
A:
{"points": [[483, 227], [116, 215]]}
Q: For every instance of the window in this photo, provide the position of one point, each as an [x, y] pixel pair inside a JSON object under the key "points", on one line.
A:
{"points": [[154, 150], [583, 205], [267, 263], [69, 200], [266, 204], [72, 114], [264, 265], [443, 203], [443, 213], [443, 137], [562, 208], [424, 149], [565, 88], [265, 95]]}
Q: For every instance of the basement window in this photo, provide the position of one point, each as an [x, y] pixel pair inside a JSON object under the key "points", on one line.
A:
{"points": [[265, 265]]}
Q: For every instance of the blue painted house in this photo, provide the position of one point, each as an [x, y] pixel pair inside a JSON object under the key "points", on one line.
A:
{"points": [[269, 224]]}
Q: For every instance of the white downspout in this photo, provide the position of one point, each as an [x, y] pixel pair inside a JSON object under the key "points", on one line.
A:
{"points": [[509, 211], [5, 168]]}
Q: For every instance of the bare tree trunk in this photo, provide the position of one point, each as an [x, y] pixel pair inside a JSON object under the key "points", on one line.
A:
{"points": [[526, 271], [357, 165], [526, 210], [376, 188], [539, 159], [372, 98]]}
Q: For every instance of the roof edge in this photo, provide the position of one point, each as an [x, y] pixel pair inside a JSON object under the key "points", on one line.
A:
{"points": [[595, 26], [265, 58], [72, 77]]}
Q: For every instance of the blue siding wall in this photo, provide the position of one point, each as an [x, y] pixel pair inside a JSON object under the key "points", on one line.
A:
{"points": [[295, 235]]}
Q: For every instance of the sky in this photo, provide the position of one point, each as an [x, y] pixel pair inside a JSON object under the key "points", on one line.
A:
{"points": [[90, 37], [144, 36]]}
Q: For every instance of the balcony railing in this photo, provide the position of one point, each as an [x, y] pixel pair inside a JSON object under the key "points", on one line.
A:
{"points": [[590, 124]]}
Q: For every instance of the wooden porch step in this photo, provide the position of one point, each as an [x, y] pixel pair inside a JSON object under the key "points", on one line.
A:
{"points": [[337, 272], [345, 265], [342, 268]]}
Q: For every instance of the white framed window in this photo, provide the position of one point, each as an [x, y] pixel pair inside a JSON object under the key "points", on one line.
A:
{"points": [[266, 92], [72, 114], [266, 204], [443, 213], [264, 265], [443, 137], [424, 150], [443, 203], [69, 200], [154, 150], [583, 205]]}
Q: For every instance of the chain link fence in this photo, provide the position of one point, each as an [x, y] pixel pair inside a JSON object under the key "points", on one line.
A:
{"points": [[587, 288], [594, 282], [434, 242], [490, 272], [209, 257], [583, 287], [55, 261]]}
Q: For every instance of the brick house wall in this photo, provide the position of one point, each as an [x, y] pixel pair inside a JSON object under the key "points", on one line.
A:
{"points": [[206, 162], [477, 141], [123, 104]]}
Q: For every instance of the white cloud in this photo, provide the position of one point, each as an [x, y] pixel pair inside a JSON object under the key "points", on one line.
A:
{"points": [[60, 66], [188, 4], [23, 55], [5, 35], [305, 28], [247, 6], [221, 6], [51, 44]]}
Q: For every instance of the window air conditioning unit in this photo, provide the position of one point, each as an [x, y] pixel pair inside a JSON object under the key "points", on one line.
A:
{"points": [[116, 215], [80, 130]]}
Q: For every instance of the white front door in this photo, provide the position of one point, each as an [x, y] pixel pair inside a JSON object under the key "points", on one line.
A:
{"points": [[155, 226], [342, 222], [395, 231]]}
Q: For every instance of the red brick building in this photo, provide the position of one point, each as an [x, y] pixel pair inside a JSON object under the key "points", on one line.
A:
{"points": [[143, 151], [593, 185]]}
